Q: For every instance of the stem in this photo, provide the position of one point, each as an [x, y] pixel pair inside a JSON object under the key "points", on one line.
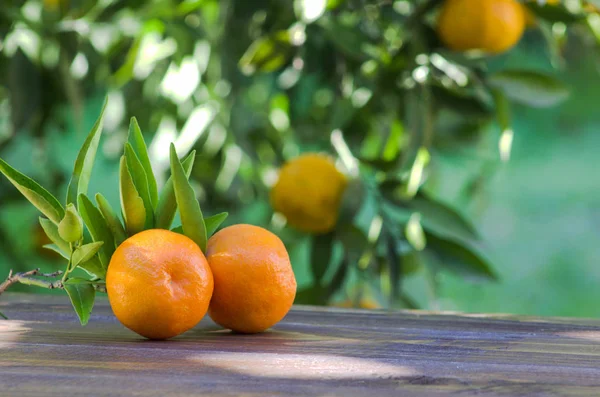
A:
{"points": [[68, 270], [26, 278]]}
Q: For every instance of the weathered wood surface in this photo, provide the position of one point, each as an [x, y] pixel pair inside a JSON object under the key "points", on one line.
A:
{"points": [[314, 351]]}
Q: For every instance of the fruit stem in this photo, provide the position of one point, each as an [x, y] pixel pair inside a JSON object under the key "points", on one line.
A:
{"points": [[68, 269]]}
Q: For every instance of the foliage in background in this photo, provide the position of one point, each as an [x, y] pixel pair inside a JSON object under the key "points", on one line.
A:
{"points": [[250, 85]]}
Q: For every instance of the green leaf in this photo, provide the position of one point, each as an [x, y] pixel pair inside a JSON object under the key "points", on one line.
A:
{"points": [[94, 268], [51, 231], [529, 88], [36, 194], [140, 181], [462, 258], [321, 252], [267, 54], [314, 295], [353, 199], [98, 229], [84, 163], [468, 106], [132, 204], [354, 241], [139, 145], [82, 295], [414, 232], [189, 208], [178, 229], [112, 220], [86, 252], [54, 247], [213, 222], [554, 12], [442, 219], [338, 278], [3, 316], [167, 204], [347, 39]]}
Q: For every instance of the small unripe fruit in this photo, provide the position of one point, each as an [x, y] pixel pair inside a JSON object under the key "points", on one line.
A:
{"points": [[70, 228]]}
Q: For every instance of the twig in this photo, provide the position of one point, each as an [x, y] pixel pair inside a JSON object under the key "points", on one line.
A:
{"points": [[25, 278], [50, 275]]}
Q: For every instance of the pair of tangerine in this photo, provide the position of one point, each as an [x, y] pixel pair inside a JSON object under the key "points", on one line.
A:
{"points": [[160, 284]]}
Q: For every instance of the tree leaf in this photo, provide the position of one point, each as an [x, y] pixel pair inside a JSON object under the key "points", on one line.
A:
{"points": [[347, 39], [189, 208], [167, 204], [354, 241], [529, 88], [54, 247], [320, 256], [82, 295], [139, 145], [132, 204], [338, 279], [86, 252], [84, 163], [462, 258], [314, 295], [353, 199], [98, 229], [442, 219], [178, 229], [51, 231], [213, 222], [36, 194], [140, 181], [112, 220], [554, 12], [94, 268], [267, 54]]}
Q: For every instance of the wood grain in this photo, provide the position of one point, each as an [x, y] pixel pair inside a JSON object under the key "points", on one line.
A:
{"points": [[313, 352]]}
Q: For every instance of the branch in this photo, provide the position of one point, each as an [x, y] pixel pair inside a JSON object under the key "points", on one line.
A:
{"points": [[26, 278]]}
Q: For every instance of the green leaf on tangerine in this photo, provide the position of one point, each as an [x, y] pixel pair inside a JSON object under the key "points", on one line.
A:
{"points": [[213, 222], [192, 219], [36, 194], [132, 204], [86, 252], [82, 296], [139, 145], [167, 204], [82, 171], [112, 220]]}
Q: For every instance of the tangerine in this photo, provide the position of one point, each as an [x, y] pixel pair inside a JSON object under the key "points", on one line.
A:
{"points": [[255, 285], [309, 193], [159, 283], [493, 26]]}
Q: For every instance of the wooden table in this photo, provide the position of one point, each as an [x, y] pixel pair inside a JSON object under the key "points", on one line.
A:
{"points": [[314, 351]]}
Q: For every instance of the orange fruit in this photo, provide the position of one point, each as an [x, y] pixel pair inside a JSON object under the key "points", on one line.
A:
{"points": [[492, 26], [309, 193], [159, 284], [255, 285]]}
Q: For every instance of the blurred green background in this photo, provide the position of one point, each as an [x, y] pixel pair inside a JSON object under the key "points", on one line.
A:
{"points": [[253, 84]]}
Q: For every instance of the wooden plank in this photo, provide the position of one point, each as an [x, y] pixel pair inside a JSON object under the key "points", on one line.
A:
{"points": [[314, 351]]}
